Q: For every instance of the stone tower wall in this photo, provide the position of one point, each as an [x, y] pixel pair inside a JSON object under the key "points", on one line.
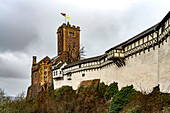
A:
{"points": [[68, 38]]}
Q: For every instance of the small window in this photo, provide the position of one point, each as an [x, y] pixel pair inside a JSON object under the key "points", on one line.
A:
{"points": [[71, 33], [60, 72], [54, 73], [83, 75], [45, 78], [45, 68]]}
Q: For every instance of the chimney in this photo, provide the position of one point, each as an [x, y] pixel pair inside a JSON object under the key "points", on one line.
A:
{"points": [[34, 60]]}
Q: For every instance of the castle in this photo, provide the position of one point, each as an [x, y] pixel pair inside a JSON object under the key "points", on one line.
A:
{"points": [[143, 60]]}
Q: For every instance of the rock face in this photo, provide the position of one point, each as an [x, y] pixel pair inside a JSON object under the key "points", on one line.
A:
{"points": [[32, 92], [29, 92], [93, 84], [66, 100]]}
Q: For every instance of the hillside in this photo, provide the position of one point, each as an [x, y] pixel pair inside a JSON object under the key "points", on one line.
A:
{"points": [[91, 97]]}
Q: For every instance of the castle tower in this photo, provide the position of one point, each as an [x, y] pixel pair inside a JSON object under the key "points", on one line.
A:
{"points": [[68, 38]]}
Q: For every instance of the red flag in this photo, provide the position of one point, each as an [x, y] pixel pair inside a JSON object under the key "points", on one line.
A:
{"points": [[63, 14]]}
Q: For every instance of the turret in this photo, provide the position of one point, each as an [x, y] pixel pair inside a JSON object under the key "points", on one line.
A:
{"points": [[34, 60]]}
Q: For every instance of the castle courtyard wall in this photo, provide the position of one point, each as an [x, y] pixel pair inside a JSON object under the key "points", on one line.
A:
{"points": [[164, 66], [142, 61], [77, 78], [144, 70]]}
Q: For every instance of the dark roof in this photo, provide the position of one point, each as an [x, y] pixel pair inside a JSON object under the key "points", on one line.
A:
{"points": [[57, 62], [92, 59], [44, 59], [116, 47], [149, 30], [142, 34], [58, 66], [133, 39], [163, 20], [53, 59]]}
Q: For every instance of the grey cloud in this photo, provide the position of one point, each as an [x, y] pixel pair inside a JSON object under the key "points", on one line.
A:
{"points": [[15, 65], [16, 38], [17, 30]]}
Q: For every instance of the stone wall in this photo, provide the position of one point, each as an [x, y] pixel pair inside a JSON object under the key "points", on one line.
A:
{"points": [[164, 66], [142, 61], [145, 70]]}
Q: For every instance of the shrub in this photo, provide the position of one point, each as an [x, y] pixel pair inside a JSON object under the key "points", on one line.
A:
{"points": [[102, 88], [51, 89], [111, 90], [135, 110], [122, 98], [80, 89], [64, 90]]}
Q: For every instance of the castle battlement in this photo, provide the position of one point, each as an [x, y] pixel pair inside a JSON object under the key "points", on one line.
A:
{"points": [[69, 26]]}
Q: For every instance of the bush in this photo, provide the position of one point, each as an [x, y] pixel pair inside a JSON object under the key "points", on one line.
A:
{"points": [[135, 110], [64, 90], [80, 89], [111, 90], [51, 89], [102, 88], [122, 98]]}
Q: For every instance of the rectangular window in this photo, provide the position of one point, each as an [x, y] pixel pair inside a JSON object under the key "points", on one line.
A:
{"points": [[45, 78], [71, 33], [45, 68], [54, 73]]}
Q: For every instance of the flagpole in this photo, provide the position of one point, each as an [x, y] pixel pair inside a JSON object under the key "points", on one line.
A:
{"points": [[65, 19]]}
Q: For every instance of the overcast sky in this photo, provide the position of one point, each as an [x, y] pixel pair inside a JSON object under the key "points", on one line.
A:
{"points": [[28, 27]]}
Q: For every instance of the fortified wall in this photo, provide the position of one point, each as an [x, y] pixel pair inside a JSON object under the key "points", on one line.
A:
{"points": [[143, 60]]}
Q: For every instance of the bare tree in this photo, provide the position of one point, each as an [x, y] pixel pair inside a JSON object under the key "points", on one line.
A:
{"points": [[74, 55]]}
